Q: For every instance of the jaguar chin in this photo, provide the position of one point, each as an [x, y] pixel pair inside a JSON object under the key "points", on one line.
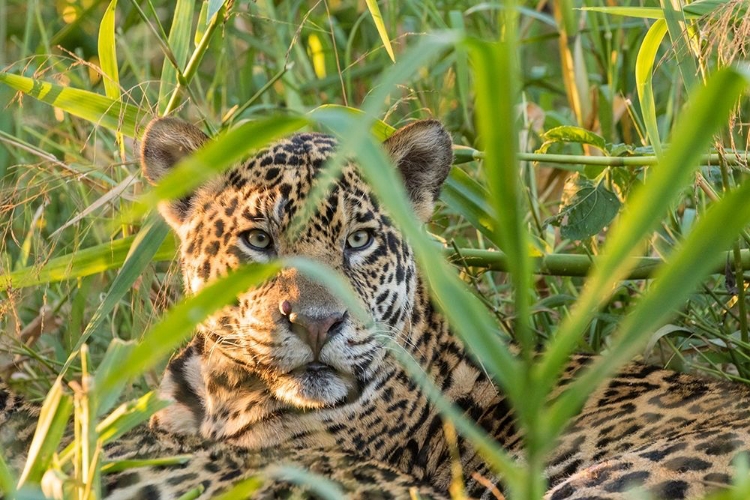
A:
{"points": [[315, 385]]}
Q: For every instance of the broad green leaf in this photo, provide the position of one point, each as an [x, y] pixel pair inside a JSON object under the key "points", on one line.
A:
{"points": [[377, 18], [53, 419], [82, 263], [178, 323], [467, 197], [179, 43], [590, 210], [708, 110], [100, 110], [644, 67], [108, 53], [699, 254], [569, 133]]}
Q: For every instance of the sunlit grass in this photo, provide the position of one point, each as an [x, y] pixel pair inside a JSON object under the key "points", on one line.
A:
{"points": [[614, 95]]}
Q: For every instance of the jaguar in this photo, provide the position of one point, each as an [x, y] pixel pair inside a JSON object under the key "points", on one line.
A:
{"points": [[289, 374]]}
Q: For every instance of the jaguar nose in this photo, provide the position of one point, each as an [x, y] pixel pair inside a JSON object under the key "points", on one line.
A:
{"points": [[314, 329]]}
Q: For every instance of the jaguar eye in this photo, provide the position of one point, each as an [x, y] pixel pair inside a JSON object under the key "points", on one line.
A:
{"points": [[359, 240], [257, 239]]}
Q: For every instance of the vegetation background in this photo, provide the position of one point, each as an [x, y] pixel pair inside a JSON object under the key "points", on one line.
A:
{"points": [[569, 117]]}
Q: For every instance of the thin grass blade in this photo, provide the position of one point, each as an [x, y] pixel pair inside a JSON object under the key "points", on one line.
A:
{"points": [[53, 419], [683, 41], [117, 352], [377, 18], [179, 43], [108, 53], [644, 67]]}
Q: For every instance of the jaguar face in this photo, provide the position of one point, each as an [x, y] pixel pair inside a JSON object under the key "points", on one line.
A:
{"points": [[290, 333]]}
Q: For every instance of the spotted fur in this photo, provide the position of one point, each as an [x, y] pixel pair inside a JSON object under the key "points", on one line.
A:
{"points": [[288, 374]]}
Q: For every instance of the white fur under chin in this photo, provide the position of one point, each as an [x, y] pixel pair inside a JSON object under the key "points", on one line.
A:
{"points": [[312, 391]]}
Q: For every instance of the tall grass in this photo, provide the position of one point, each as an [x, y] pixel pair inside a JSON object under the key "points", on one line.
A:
{"points": [[628, 119]]}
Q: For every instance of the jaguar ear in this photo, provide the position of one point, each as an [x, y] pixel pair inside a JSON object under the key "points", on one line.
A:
{"points": [[423, 154], [165, 142]]}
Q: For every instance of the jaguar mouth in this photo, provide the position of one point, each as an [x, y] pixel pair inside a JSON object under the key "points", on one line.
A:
{"points": [[316, 385]]}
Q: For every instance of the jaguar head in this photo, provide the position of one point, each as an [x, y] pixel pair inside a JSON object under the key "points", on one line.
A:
{"points": [[291, 334]]}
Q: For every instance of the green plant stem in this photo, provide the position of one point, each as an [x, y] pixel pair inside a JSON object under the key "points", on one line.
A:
{"points": [[195, 59], [464, 154], [570, 264], [739, 267]]}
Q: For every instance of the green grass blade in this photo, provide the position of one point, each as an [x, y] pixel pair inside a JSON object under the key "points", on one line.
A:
{"points": [[108, 53], [462, 65], [98, 109], [121, 465], [92, 260], [243, 489], [708, 111], [146, 244], [53, 419], [644, 67], [377, 18], [674, 282], [117, 352], [333, 281], [179, 44], [694, 10], [7, 479], [684, 47], [213, 8], [496, 96], [380, 130], [128, 416], [178, 324]]}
